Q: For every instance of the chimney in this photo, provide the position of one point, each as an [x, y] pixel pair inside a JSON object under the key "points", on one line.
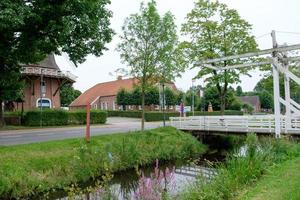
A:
{"points": [[119, 78]]}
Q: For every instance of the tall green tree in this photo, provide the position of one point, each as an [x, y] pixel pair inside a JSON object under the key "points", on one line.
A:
{"points": [[211, 96], [32, 29], [122, 98], [152, 96], [171, 97], [146, 43], [239, 91], [68, 94], [266, 99], [216, 31], [29, 30]]}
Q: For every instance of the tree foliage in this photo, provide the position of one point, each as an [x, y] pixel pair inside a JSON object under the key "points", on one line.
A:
{"points": [[239, 91], [266, 99], [216, 31], [147, 44], [133, 97], [211, 96], [30, 30], [68, 94]]}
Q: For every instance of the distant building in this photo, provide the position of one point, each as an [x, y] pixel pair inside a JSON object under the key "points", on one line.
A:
{"points": [[253, 101], [103, 95], [42, 84]]}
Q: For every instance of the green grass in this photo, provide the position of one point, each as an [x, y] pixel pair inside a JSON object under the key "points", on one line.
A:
{"points": [[27, 170], [241, 172], [280, 183]]}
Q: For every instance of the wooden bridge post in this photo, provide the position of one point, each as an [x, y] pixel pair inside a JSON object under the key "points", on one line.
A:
{"points": [[276, 88]]}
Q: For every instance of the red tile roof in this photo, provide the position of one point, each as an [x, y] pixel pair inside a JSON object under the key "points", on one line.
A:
{"points": [[110, 88]]}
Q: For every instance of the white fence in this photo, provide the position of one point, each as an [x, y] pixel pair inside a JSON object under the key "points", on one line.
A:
{"points": [[251, 123]]}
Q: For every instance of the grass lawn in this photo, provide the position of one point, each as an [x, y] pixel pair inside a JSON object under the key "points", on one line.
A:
{"points": [[30, 169], [281, 183], [268, 170]]}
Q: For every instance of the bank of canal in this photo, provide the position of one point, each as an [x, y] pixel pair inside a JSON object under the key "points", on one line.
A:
{"points": [[171, 177], [37, 169]]}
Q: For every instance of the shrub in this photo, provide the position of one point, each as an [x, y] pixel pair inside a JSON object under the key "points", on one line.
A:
{"points": [[215, 113], [48, 117], [119, 113], [57, 117], [158, 116]]}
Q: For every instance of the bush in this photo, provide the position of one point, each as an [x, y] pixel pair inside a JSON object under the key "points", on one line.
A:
{"points": [[119, 113], [158, 116], [58, 117], [79, 117], [48, 117], [149, 116], [215, 113]]}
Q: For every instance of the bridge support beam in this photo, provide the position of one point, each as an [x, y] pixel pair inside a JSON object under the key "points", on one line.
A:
{"points": [[276, 100]]}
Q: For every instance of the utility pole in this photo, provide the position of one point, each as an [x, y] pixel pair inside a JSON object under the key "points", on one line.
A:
{"points": [[276, 88], [193, 98], [41, 98], [163, 104]]}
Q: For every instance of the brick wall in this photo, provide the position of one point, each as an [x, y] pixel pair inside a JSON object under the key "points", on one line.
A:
{"points": [[32, 92]]}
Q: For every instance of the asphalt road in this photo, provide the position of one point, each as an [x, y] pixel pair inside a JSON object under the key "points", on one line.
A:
{"points": [[114, 125]]}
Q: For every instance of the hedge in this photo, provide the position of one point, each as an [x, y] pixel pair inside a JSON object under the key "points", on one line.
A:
{"points": [[120, 113], [58, 117], [214, 113], [158, 116]]}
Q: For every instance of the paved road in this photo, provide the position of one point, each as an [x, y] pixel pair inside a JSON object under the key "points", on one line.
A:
{"points": [[114, 125]]}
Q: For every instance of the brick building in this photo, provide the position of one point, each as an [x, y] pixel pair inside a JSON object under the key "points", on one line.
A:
{"points": [[253, 101], [103, 95], [42, 84]]}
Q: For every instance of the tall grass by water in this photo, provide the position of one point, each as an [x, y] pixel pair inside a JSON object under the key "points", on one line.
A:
{"points": [[242, 169], [27, 170]]}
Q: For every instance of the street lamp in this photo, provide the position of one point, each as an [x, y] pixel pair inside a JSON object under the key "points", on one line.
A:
{"points": [[42, 92], [163, 104], [193, 97]]}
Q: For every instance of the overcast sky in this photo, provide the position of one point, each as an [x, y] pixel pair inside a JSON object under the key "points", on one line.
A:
{"points": [[264, 15]]}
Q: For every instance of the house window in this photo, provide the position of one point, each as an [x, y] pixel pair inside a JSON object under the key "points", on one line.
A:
{"points": [[44, 102], [95, 106]]}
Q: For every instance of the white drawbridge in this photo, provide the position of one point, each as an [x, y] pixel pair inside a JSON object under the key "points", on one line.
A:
{"points": [[287, 122]]}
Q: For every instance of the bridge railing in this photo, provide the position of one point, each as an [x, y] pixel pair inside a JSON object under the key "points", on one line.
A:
{"points": [[247, 123]]}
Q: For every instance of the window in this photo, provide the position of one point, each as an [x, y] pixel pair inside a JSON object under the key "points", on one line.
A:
{"points": [[95, 106], [45, 103]]}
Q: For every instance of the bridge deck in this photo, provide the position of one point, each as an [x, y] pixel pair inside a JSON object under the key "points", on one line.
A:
{"points": [[237, 124]]}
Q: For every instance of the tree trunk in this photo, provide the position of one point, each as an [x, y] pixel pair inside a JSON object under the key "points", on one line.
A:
{"points": [[2, 122], [143, 109], [163, 109], [222, 104]]}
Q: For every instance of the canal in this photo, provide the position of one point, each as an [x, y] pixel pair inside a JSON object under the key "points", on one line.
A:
{"points": [[161, 177]]}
